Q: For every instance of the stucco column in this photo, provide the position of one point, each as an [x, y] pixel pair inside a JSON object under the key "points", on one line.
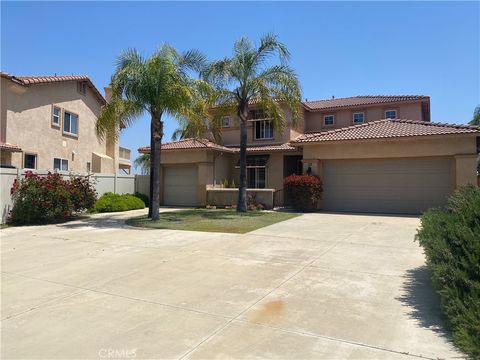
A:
{"points": [[465, 169], [205, 179]]}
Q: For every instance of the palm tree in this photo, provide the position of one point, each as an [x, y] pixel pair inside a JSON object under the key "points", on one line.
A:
{"points": [[249, 78], [476, 117], [143, 162], [157, 85]]}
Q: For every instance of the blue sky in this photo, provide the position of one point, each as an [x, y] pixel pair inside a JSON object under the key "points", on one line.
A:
{"points": [[338, 48]]}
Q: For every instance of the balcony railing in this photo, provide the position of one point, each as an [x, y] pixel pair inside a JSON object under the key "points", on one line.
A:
{"points": [[124, 153]]}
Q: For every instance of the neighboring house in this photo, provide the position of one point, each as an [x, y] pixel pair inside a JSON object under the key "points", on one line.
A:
{"points": [[48, 123], [369, 157]]}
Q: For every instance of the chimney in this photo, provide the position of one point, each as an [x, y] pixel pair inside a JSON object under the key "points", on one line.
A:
{"points": [[108, 93]]}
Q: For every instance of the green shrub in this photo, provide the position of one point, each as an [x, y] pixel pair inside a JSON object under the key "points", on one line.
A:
{"points": [[110, 202], [49, 199], [451, 240], [303, 191], [143, 197]]}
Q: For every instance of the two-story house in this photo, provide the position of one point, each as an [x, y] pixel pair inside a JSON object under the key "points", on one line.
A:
{"points": [[373, 153], [48, 123]]}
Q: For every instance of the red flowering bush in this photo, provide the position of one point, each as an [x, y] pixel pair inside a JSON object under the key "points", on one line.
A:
{"points": [[47, 199], [303, 191]]}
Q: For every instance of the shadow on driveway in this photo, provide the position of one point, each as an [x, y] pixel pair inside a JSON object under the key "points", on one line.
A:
{"points": [[424, 302], [95, 222]]}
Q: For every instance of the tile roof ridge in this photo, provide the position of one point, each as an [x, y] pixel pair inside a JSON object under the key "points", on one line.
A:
{"points": [[367, 96], [439, 124], [347, 128]]}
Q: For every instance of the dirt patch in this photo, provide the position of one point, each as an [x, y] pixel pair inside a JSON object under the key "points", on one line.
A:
{"points": [[269, 311]]}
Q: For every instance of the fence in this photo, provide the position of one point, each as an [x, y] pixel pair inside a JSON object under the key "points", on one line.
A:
{"points": [[103, 183]]}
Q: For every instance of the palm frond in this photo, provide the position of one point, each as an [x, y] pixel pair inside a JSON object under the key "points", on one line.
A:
{"points": [[115, 114], [269, 45], [143, 162]]}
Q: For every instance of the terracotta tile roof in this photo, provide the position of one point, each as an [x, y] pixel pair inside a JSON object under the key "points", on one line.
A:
{"points": [[264, 148], [9, 147], [207, 144], [318, 105], [383, 129], [35, 80], [189, 143]]}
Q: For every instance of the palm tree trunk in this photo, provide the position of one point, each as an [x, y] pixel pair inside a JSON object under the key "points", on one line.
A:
{"points": [[152, 156], [242, 188], [155, 152]]}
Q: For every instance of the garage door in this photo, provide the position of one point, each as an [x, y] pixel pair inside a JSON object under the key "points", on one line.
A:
{"points": [[180, 186], [406, 186]]}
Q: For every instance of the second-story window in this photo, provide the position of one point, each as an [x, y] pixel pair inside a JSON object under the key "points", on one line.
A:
{"points": [[391, 114], [70, 123], [226, 121], [257, 114], [358, 117], [56, 113], [263, 129], [328, 120]]}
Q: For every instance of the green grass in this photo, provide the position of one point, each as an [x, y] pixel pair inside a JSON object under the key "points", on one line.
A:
{"points": [[213, 220]]}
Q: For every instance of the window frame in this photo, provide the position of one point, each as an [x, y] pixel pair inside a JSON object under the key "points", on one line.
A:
{"points": [[357, 113], [89, 167], [62, 161], [258, 122], [59, 116], [256, 170], [24, 160], [229, 122], [333, 120], [390, 118], [70, 124]]}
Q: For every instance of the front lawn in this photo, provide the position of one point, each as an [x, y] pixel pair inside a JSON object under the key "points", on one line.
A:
{"points": [[213, 220]]}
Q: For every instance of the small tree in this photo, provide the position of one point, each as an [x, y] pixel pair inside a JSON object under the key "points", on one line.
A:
{"points": [[158, 85], [476, 117], [249, 77]]}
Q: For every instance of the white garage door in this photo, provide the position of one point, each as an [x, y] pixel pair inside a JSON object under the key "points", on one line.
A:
{"points": [[180, 186], [407, 186]]}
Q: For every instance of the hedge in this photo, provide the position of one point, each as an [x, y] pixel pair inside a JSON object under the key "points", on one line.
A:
{"points": [[110, 202], [303, 191], [143, 197], [451, 240], [41, 199]]}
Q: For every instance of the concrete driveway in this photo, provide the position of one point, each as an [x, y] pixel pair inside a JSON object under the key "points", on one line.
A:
{"points": [[328, 286]]}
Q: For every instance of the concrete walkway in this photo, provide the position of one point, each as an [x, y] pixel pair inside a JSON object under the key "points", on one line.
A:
{"points": [[320, 286]]}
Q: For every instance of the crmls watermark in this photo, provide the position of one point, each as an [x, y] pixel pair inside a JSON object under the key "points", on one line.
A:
{"points": [[117, 353]]}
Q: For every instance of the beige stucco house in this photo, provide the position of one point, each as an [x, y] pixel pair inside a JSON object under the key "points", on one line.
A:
{"points": [[373, 154], [48, 123]]}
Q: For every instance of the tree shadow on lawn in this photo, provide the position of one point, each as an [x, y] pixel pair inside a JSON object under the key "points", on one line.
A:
{"points": [[423, 301], [181, 216]]}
